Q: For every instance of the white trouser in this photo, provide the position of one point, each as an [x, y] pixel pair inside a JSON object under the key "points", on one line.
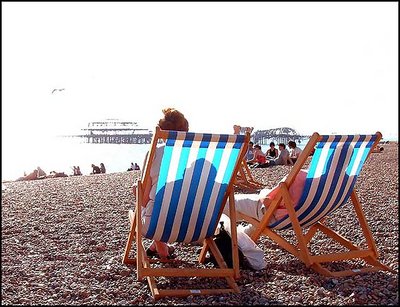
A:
{"points": [[250, 204]]}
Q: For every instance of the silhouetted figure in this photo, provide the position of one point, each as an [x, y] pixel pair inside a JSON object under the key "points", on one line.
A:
{"points": [[96, 170], [102, 168]]}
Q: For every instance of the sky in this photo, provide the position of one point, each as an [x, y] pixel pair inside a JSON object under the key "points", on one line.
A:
{"points": [[330, 67]]}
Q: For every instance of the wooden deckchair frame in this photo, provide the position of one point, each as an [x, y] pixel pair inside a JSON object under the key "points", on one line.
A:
{"points": [[302, 250], [144, 264], [245, 180]]}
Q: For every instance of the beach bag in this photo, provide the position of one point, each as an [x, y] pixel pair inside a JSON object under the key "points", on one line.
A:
{"points": [[224, 243], [250, 255]]}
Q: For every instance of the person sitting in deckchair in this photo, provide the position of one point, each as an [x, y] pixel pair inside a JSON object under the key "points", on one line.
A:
{"points": [[255, 205], [172, 120]]}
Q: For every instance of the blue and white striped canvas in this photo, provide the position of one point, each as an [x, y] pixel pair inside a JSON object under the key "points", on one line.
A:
{"points": [[195, 172], [334, 168]]}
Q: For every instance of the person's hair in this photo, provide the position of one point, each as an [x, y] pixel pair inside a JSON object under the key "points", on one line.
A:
{"points": [[281, 144], [272, 144], [173, 120], [292, 144], [251, 143], [257, 146]]}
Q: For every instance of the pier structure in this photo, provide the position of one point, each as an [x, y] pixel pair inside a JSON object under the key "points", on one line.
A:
{"points": [[114, 131], [277, 135]]}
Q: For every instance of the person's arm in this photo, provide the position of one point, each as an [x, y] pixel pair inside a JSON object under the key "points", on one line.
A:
{"points": [[146, 192]]}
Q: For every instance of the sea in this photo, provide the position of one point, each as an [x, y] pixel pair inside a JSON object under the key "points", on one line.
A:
{"points": [[60, 154]]}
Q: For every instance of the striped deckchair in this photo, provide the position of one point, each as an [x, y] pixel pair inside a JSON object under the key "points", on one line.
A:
{"points": [[194, 183], [332, 174]]}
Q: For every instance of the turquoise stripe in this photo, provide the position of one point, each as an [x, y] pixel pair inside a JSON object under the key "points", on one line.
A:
{"points": [[162, 179]]}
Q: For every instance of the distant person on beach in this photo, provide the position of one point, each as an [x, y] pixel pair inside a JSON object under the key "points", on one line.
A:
{"points": [[41, 173], [132, 167], [95, 170], [77, 171], [172, 120], [31, 176], [260, 159], [54, 174], [283, 157], [294, 151], [272, 152], [102, 168]]}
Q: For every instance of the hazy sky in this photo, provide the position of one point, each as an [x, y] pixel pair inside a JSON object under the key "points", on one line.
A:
{"points": [[326, 67]]}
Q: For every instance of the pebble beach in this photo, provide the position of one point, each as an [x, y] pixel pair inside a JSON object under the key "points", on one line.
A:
{"points": [[63, 241]]}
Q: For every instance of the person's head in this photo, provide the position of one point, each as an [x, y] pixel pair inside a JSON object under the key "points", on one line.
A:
{"points": [[251, 144], [292, 144], [93, 165], [173, 120], [281, 146], [272, 144], [101, 164], [257, 146]]}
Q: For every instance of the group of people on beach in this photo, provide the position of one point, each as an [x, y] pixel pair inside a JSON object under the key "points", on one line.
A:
{"points": [[255, 158], [133, 167], [38, 173], [98, 169]]}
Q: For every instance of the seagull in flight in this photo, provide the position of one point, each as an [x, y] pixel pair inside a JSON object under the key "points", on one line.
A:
{"points": [[57, 89]]}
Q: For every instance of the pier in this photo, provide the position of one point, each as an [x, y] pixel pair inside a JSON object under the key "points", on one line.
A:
{"points": [[114, 131], [277, 135]]}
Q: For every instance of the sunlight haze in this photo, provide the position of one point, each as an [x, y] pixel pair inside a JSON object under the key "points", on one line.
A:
{"points": [[326, 67]]}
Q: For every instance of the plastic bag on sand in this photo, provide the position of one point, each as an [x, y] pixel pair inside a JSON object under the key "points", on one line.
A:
{"points": [[254, 255]]}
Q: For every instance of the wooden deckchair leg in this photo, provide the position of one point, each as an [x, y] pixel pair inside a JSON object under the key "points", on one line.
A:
{"points": [[131, 237], [302, 241], [363, 223], [235, 247]]}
